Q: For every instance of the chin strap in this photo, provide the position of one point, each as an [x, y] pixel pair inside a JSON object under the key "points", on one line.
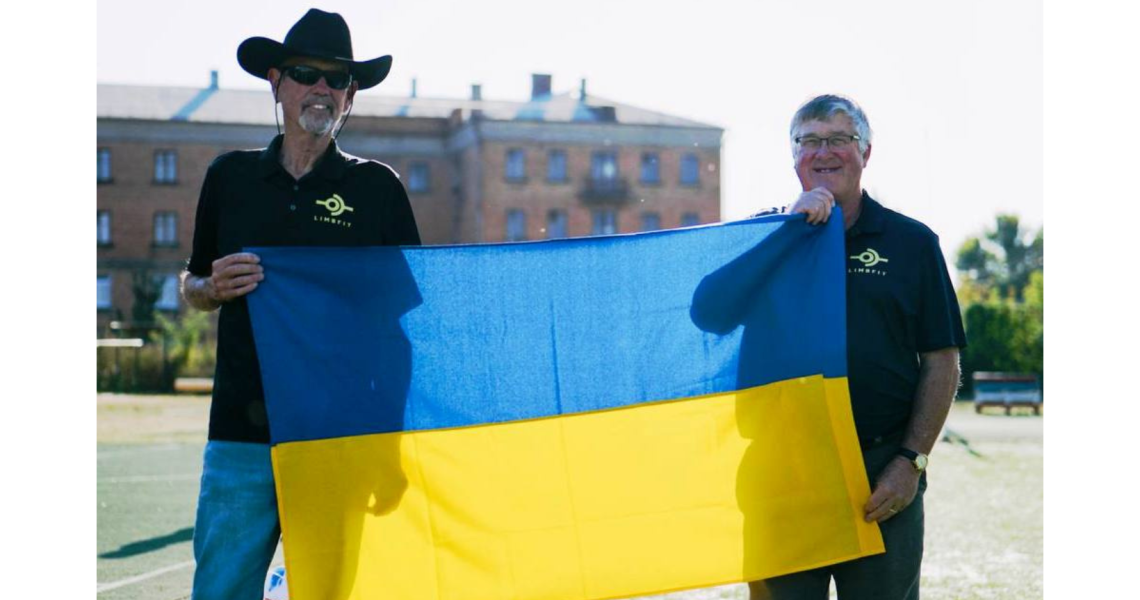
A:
{"points": [[342, 122], [275, 103]]}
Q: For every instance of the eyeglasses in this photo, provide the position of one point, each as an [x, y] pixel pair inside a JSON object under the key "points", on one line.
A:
{"points": [[835, 142], [306, 75]]}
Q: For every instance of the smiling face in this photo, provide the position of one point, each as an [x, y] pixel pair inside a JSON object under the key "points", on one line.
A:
{"points": [[315, 108], [840, 170]]}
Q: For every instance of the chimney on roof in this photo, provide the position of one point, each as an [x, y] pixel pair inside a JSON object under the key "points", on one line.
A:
{"points": [[413, 87], [214, 79], [539, 85], [476, 91], [582, 90]]}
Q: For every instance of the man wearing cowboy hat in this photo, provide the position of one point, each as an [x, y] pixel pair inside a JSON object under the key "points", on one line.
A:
{"points": [[299, 191]]}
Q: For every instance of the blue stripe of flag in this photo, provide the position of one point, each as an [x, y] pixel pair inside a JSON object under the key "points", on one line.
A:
{"points": [[374, 340]]}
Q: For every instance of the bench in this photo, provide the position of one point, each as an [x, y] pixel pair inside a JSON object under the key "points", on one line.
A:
{"points": [[1007, 390]]}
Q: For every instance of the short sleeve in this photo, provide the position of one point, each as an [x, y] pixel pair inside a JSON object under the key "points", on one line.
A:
{"points": [[401, 227], [940, 320], [205, 249]]}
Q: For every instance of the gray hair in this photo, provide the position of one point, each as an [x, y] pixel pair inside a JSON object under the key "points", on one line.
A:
{"points": [[823, 108]]}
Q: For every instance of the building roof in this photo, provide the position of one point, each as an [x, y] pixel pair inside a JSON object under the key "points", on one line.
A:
{"points": [[252, 107]]}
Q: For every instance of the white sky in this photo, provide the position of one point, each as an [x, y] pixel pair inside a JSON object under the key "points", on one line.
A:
{"points": [[953, 90]]}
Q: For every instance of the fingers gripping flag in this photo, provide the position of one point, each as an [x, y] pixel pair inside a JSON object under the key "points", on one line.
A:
{"points": [[577, 419]]}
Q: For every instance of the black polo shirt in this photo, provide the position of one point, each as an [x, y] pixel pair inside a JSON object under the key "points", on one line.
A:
{"points": [[249, 199], [900, 303]]}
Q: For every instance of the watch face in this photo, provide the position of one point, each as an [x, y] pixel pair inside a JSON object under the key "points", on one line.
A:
{"points": [[920, 462]]}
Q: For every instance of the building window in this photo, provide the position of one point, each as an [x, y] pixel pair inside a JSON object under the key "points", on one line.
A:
{"points": [[690, 219], [650, 221], [103, 158], [555, 224], [556, 166], [165, 166], [516, 165], [103, 292], [168, 299], [166, 228], [516, 225], [419, 177], [605, 222], [603, 167], [103, 224], [650, 168], [690, 170]]}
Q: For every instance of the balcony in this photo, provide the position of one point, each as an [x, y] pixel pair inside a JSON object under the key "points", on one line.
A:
{"points": [[604, 191]]}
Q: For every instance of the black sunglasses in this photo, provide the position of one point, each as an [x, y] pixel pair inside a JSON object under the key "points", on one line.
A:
{"points": [[305, 75]]}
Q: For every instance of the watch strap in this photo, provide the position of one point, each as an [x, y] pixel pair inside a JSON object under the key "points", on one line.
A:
{"points": [[917, 459]]}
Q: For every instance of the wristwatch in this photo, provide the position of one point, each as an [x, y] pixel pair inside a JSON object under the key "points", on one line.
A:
{"points": [[918, 459]]}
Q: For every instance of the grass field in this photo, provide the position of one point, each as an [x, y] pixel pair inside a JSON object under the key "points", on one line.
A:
{"points": [[983, 526]]}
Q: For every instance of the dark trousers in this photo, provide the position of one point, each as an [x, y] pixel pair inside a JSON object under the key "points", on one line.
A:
{"points": [[890, 576]]}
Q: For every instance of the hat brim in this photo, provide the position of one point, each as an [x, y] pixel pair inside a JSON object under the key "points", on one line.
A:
{"points": [[257, 55]]}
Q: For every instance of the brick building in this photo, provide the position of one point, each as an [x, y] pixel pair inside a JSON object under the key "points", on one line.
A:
{"points": [[556, 165]]}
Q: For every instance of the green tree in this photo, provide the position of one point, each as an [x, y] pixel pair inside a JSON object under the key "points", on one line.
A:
{"points": [[182, 337], [147, 289], [1035, 312], [1001, 289], [1003, 336], [1003, 258], [991, 328]]}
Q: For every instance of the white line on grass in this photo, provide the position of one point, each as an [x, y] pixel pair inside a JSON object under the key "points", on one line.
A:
{"points": [[149, 478], [103, 587], [138, 450]]}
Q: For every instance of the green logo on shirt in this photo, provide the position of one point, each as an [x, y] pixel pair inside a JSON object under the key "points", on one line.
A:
{"points": [[335, 205], [869, 258]]}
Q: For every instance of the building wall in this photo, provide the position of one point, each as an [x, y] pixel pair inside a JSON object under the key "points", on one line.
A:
{"points": [[133, 197], [469, 223], [670, 198], [536, 196]]}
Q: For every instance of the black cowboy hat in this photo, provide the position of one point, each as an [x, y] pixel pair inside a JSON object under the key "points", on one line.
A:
{"points": [[317, 35]]}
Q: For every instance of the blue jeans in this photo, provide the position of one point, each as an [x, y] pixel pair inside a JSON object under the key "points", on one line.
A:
{"points": [[890, 576], [237, 530]]}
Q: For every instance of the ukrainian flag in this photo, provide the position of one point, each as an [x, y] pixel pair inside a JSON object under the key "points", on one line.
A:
{"points": [[575, 419]]}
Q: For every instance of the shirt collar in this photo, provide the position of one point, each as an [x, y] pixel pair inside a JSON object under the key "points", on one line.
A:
{"points": [[870, 217], [331, 165]]}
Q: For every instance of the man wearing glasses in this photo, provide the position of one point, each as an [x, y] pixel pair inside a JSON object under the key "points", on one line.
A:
{"points": [[300, 191], [904, 331]]}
